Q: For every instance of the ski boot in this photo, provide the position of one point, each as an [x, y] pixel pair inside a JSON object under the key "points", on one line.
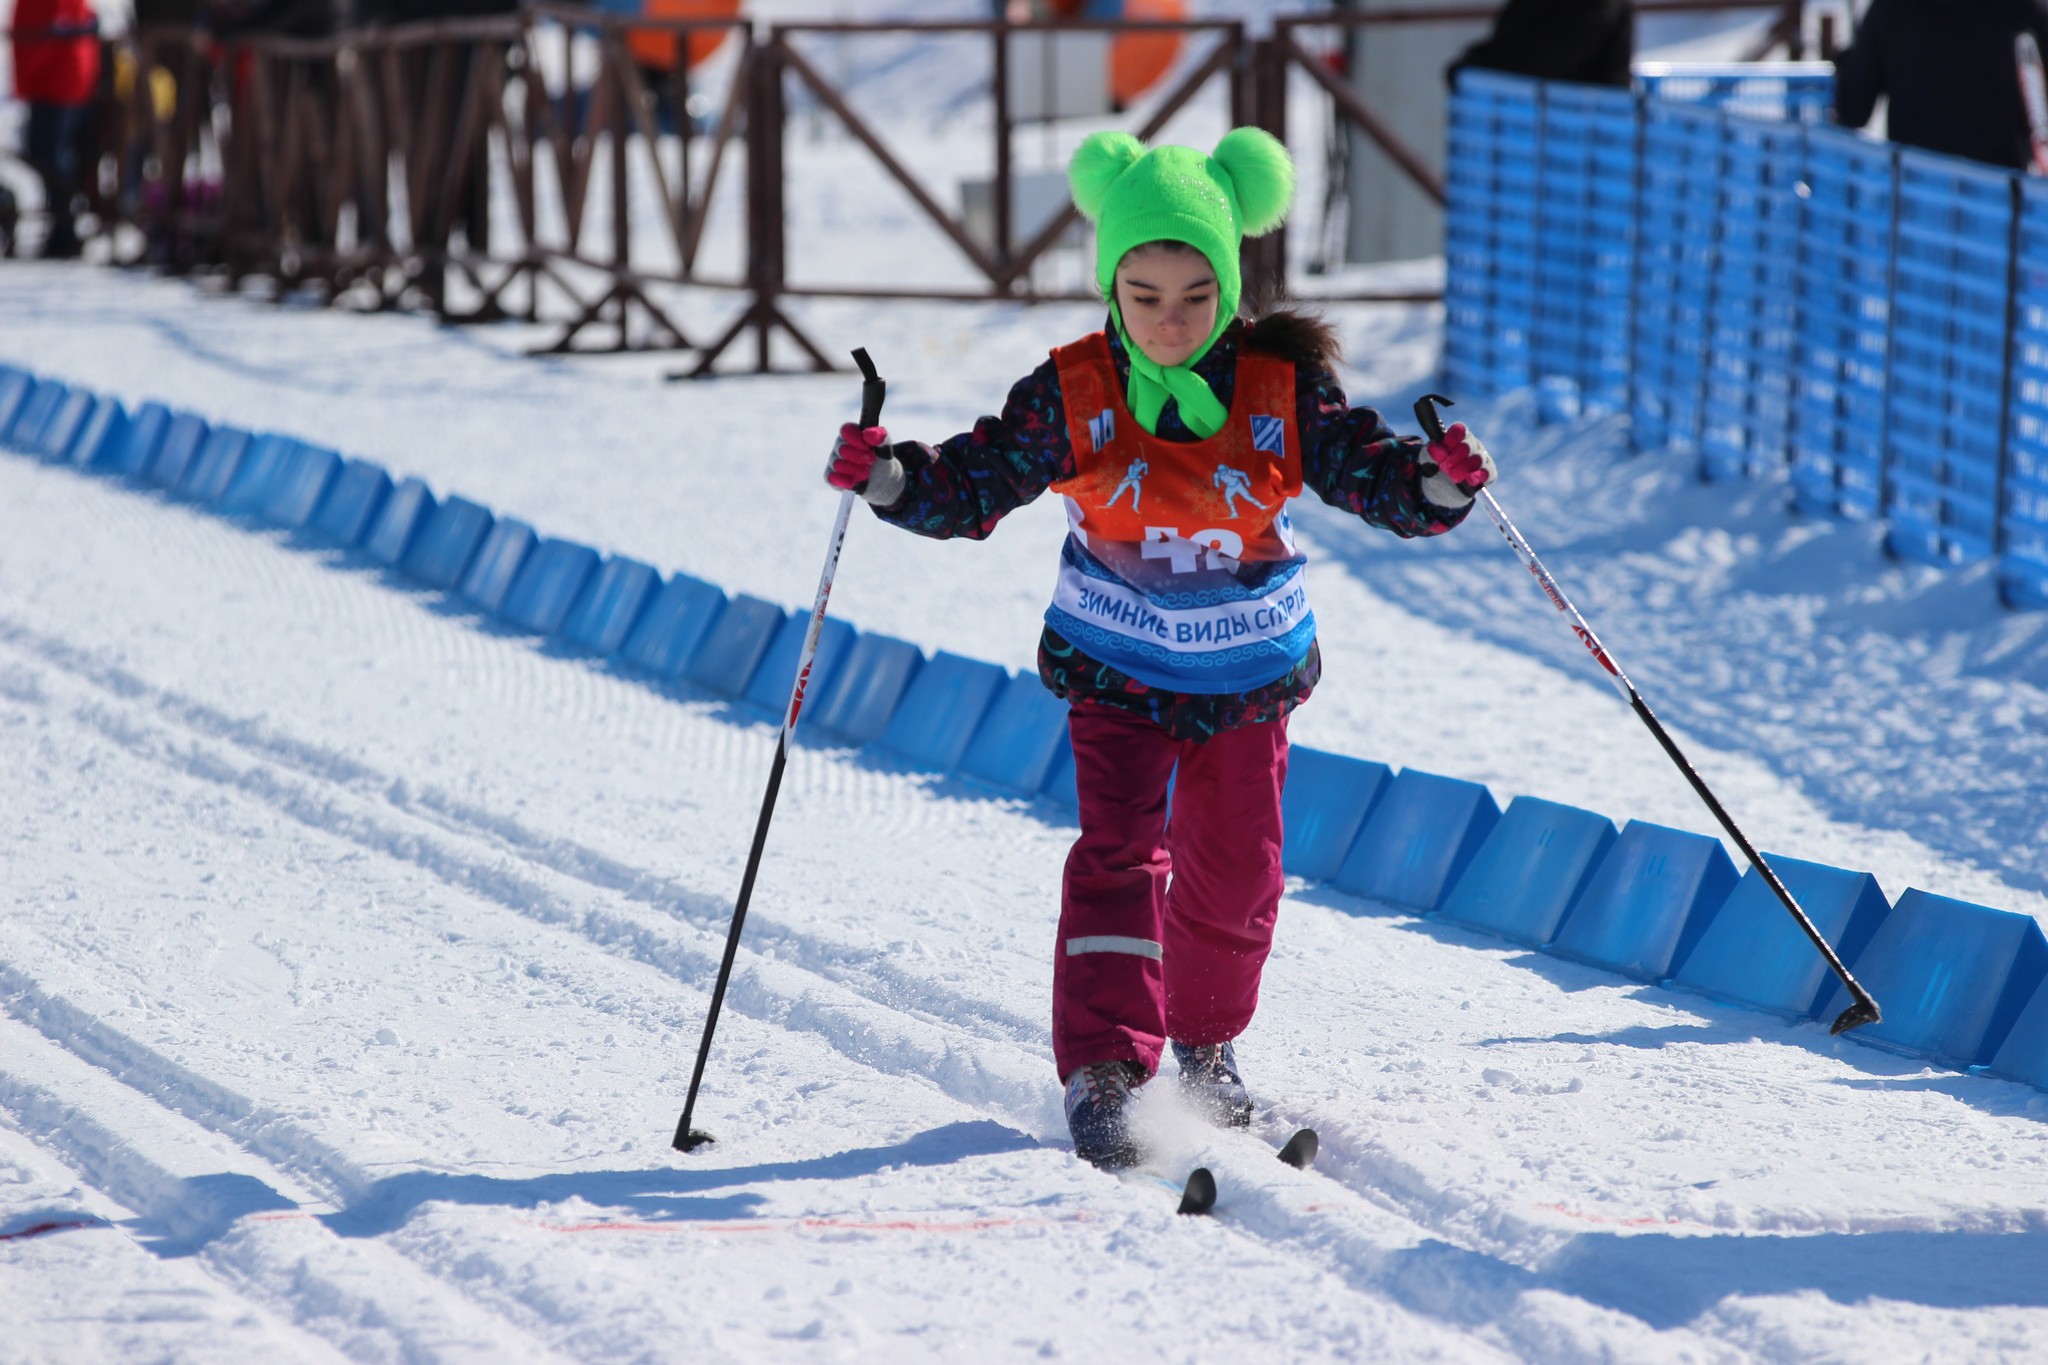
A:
{"points": [[1208, 1077], [1097, 1096]]}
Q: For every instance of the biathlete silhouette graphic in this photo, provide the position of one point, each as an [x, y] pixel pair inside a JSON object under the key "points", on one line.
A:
{"points": [[1235, 484], [1134, 475]]}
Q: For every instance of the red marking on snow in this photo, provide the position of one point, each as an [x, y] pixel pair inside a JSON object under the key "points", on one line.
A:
{"points": [[823, 1225], [1644, 1222], [277, 1217], [39, 1229]]}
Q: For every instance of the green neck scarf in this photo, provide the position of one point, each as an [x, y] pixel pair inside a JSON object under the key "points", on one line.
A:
{"points": [[1152, 384]]}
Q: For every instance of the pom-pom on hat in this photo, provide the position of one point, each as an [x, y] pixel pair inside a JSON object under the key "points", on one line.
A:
{"points": [[1211, 201]]}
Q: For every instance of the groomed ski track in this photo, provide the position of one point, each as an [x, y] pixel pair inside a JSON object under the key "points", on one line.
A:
{"points": [[353, 954]]}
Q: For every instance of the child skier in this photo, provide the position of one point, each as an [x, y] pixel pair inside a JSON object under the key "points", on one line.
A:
{"points": [[1181, 634]]}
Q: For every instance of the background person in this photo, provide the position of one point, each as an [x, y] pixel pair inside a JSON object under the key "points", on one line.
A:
{"points": [[1950, 72], [57, 74]]}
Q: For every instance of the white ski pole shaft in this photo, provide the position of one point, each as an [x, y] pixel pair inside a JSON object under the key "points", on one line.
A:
{"points": [[1864, 1010], [688, 1139]]}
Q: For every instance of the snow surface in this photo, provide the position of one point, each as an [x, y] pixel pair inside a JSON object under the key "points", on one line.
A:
{"points": [[354, 951]]}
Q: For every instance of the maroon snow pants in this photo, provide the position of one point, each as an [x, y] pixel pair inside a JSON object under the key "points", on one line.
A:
{"points": [[1165, 925]]}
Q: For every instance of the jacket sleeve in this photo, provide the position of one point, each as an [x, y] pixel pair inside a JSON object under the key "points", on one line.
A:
{"points": [[1859, 70], [965, 485], [1352, 459]]}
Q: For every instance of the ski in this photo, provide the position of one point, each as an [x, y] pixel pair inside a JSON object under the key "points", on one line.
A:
{"points": [[1300, 1150], [1197, 1193], [1198, 1196]]}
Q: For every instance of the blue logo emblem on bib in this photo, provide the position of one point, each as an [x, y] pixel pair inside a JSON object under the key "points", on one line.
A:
{"points": [[1270, 435]]}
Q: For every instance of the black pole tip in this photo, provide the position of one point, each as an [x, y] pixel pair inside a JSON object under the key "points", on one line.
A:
{"points": [[1864, 1011], [692, 1140]]}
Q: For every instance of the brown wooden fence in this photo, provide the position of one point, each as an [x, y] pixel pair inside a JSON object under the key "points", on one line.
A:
{"points": [[378, 165]]}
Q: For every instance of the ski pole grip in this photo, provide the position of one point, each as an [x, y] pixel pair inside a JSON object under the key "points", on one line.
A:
{"points": [[873, 389], [1426, 413]]}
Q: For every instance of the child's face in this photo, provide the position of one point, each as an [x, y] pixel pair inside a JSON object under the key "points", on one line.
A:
{"points": [[1168, 301]]}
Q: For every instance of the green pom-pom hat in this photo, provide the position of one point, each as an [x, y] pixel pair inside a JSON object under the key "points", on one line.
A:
{"points": [[1212, 202]]}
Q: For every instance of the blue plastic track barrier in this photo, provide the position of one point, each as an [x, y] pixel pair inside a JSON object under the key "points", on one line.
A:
{"points": [[37, 405], [772, 681], [547, 586], [440, 553], [303, 473], [350, 505], [1649, 901], [604, 615], [15, 386], [1524, 879], [248, 491], [1323, 806], [174, 455], [1960, 983], [410, 507], [1418, 839], [726, 661], [876, 675], [213, 468], [941, 710], [54, 442], [1952, 977], [1754, 954], [138, 446], [673, 625], [105, 432], [489, 576], [2023, 1056], [1020, 738]]}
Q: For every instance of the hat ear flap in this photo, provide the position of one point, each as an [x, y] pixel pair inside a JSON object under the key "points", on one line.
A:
{"points": [[1262, 174], [1098, 162]]}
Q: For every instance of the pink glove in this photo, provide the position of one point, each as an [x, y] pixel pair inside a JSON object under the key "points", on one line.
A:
{"points": [[854, 454], [1457, 468]]}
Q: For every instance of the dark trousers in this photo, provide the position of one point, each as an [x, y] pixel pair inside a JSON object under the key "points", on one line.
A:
{"points": [[56, 151], [1165, 924]]}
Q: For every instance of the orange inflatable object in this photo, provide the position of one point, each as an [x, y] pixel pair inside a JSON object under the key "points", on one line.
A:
{"points": [[655, 48], [1138, 60]]}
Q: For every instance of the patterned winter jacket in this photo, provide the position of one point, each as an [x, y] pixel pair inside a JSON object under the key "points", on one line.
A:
{"points": [[1349, 457]]}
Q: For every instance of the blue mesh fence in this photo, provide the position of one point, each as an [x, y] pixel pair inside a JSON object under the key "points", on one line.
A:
{"points": [[1678, 210], [2023, 567], [1844, 308], [1490, 233], [1775, 298]]}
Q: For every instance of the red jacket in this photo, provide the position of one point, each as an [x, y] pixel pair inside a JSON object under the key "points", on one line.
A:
{"points": [[56, 51]]}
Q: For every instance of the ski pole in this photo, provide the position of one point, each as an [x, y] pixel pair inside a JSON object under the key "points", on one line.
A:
{"points": [[872, 390], [1864, 1010]]}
